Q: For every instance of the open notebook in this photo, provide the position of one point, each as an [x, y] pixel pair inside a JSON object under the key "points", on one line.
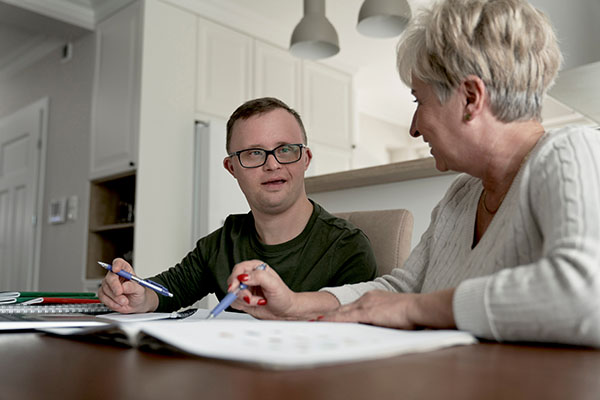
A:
{"points": [[272, 344]]}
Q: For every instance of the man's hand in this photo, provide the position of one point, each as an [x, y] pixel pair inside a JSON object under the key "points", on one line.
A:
{"points": [[125, 296]]}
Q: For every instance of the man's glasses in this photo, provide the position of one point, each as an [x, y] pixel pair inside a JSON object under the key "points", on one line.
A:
{"points": [[255, 157]]}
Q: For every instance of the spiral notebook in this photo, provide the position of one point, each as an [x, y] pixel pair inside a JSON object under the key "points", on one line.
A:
{"points": [[79, 308]]}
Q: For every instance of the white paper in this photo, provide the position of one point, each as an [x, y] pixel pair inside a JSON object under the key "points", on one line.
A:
{"points": [[273, 344], [10, 322], [295, 344]]}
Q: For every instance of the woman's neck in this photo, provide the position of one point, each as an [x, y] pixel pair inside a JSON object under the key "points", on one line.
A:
{"points": [[508, 151]]}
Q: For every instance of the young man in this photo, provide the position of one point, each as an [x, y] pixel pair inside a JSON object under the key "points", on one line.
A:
{"points": [[308, 247]]}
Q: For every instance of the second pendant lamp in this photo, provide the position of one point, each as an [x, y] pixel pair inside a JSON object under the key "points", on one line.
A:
{"points": [[314, 37], [383, 18]]}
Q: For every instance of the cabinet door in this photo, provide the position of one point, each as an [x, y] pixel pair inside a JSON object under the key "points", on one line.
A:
{"points": [[224, 69], [276, 74], [327, 107], [115, 110]]}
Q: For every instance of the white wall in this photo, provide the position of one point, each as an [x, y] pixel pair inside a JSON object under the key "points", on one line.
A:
{"points": [[419, 196], [68, 85], [374, 136], [577, 28], [381, 142]]}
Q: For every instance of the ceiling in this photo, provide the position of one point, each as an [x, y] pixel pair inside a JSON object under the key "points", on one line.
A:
{"points": [[29, 26]]}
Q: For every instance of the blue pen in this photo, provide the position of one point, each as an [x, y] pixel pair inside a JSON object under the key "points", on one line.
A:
{"points": [[230, 298], [158, 288]]}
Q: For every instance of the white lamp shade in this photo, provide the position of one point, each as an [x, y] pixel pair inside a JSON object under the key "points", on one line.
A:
{"points": [[314, 37], [383, 18]]}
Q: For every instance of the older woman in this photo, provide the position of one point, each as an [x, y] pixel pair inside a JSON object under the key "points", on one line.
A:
{"points": [[513, 249]]}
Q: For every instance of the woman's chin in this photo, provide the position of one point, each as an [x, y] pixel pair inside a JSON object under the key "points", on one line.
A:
{"points": [[440, 165]]}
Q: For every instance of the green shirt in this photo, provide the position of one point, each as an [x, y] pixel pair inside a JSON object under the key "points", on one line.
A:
{"points": [[330, 251]]}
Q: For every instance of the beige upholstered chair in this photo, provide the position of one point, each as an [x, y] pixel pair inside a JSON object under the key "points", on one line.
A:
{"points": [[390, 233]]}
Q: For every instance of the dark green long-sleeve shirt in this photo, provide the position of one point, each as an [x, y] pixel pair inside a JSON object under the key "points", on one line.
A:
{"points": [[329, 252]]}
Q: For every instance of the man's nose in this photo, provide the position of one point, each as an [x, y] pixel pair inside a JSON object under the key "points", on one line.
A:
{"points": [[272, 162]]}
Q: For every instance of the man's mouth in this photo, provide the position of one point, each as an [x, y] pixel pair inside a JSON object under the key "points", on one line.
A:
{"points": [[274, 182]]}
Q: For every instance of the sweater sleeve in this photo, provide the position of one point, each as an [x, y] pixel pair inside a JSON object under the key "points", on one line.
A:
{"points": [[556, 298]]}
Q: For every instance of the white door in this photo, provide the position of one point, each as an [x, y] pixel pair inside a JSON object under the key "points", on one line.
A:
{"points": [[21, 144]]}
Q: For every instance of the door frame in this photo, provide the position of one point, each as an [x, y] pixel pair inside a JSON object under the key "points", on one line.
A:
{"points": [[37, 110], [42, 106]]}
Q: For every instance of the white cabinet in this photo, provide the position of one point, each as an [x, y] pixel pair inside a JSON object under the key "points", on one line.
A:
{"points": [[277, 74], [327, 105], [328, 117], [115, 105], [232, 68], [224, 69]]}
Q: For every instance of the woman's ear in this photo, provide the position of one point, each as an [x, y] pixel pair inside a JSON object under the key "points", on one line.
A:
{"points": [[474, 93]]}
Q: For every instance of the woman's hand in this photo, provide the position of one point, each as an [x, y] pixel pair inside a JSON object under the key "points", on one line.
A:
{"points": [[398, 310], [268, 297]]}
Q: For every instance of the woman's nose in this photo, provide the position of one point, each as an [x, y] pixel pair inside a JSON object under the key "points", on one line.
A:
{"points": [[414, 132]]}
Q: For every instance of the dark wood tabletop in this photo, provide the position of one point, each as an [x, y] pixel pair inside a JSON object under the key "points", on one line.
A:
{"points": [[37, 366]]}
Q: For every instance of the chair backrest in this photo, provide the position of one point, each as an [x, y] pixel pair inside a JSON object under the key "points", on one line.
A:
{"points": [[390, 233]]}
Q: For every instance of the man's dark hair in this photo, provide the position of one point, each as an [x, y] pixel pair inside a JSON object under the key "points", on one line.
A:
{"points": [[260, 106]]}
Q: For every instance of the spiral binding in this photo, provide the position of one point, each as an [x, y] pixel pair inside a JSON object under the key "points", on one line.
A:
{"points": [[91, 308]]}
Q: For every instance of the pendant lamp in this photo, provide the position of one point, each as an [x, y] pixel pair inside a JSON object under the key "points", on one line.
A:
{"points": [[383, 18], [314, 37]]}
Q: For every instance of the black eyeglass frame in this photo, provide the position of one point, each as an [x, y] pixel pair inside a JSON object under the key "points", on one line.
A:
{"points": [[267, 152]]}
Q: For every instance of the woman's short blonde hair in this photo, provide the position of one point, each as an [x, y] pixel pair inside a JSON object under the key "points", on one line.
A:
{"points": [[509, 44]]}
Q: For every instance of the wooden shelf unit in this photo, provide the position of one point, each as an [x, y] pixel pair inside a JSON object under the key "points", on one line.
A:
{"points": [[111, 222]]}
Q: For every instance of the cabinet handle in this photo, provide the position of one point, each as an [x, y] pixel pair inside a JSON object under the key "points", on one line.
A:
{"points": [[131, 163]]}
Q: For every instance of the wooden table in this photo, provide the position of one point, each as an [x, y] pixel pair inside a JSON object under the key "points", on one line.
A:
{"points": [[36, 366]]}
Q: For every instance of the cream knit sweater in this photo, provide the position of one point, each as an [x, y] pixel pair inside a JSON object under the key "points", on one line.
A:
{"points": [[534, 275]]}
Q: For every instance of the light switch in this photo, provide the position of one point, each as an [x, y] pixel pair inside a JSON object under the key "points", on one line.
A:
{"points": [[72, 208], [57, 211]]}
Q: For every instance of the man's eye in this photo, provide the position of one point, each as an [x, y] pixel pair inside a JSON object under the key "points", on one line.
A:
{"points": [[255, 153]]}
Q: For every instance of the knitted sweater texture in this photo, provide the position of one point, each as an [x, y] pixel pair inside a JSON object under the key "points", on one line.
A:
{"points": [[534, 274]]}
